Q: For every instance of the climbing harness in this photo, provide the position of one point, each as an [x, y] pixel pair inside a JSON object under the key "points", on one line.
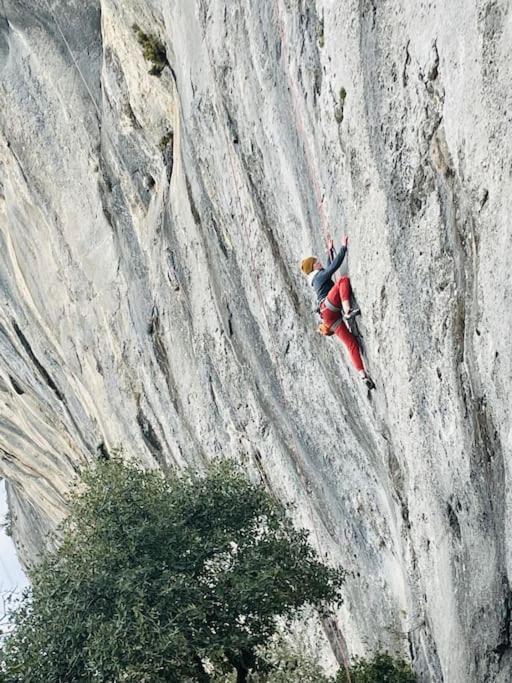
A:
{"points": [[330, 306], [326, 329]]}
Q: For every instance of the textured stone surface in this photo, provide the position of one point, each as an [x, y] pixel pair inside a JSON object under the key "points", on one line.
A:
{"points": [[151, 300]]}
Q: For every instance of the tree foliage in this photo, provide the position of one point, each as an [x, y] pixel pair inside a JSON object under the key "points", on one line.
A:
{"points": [[381, 668], [153, 50], [164, 580]]}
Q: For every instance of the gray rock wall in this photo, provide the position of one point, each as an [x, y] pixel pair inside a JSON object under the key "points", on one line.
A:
{"points": [[150, 296]]}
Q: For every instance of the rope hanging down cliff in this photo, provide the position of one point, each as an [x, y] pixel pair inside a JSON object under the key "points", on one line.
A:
{"points": [[331, 625], [313, 171], [77, 66]]}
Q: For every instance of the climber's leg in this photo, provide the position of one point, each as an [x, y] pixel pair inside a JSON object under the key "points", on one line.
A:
{"points": [[344, 292], [351, 345]]}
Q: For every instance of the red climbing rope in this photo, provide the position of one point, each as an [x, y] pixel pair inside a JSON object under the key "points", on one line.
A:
{"points": [[334, 626], [297, 109]]}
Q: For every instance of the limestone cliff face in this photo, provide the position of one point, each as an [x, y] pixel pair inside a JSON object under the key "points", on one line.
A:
{"points": [[150, 297]]}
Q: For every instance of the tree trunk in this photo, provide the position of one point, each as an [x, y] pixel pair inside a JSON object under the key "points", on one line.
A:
{"points": [[241, 674]]}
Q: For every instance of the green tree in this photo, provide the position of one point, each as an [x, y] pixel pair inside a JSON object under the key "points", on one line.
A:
{"points": [[164, 580], [381, 668]]}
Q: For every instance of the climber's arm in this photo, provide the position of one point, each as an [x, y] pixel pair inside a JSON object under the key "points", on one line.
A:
{"points": [[336, 262]]}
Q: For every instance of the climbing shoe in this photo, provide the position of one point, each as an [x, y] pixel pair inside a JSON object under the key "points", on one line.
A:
{"points": [[369, 383], [351, 313]]}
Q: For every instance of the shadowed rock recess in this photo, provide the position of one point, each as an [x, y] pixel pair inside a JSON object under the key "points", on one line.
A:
{"points": [[151, 228]]}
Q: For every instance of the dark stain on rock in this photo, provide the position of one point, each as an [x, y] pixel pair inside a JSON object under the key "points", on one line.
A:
{"points": [[407, 61], [40, 368], [193, 207], [103, 452], [16, 386], [504, 639], [161, 354], [149, 435], [230, 320], [453, 521], [233, 128], [210, 219], [167, 148], [258, 460], [220, 241], [484, 198], [433, 71]]}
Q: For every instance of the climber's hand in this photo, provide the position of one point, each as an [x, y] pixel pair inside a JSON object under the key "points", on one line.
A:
{"points": [[330, 244], [344, 241]]}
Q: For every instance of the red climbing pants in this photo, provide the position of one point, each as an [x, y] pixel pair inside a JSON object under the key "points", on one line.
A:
{"points": [[339, 292]]}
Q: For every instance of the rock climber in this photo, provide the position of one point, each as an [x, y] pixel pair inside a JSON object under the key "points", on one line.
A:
{"points": [[334, 303]]}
